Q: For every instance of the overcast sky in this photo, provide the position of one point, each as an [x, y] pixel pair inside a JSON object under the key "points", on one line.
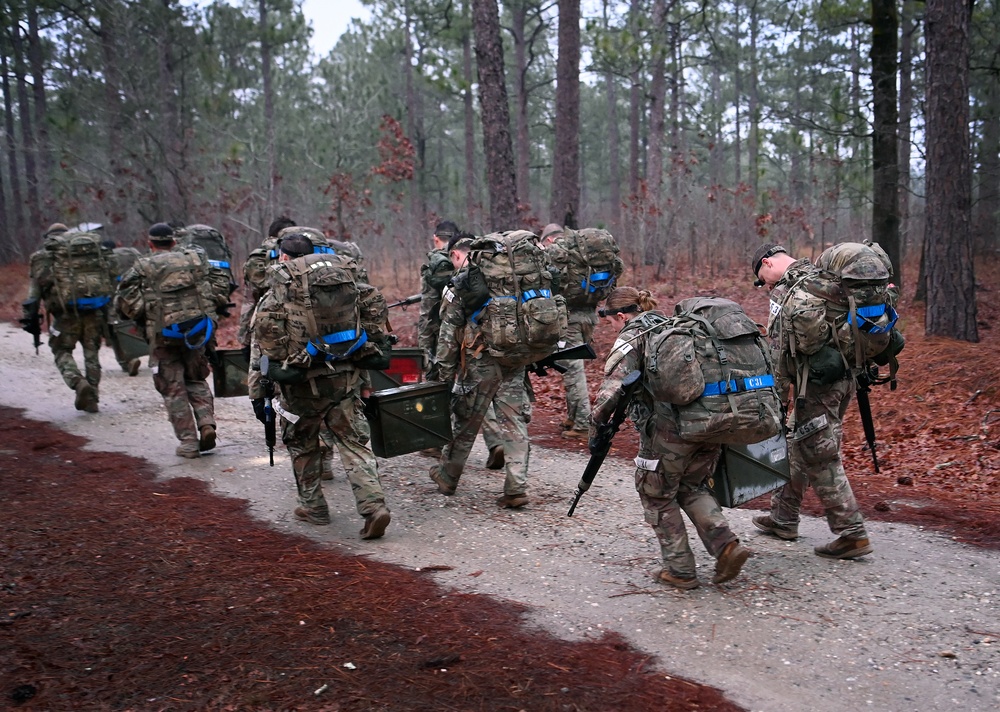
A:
{"points": [[330, 19]]}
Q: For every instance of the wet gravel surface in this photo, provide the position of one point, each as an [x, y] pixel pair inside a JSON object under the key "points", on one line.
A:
{"points": [[915, 626]]}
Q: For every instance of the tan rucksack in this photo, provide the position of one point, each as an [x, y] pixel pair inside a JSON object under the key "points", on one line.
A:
{"points": [[78, 272], [180, 295], [589, 265], [523, 320], [850, 296], [328, 316], [211, 241], [710, 361]]}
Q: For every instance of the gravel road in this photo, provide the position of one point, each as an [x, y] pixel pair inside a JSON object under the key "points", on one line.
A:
{"points": [[915, 626]]}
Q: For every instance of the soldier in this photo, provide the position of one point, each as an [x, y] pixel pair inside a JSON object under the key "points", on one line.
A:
{"points": [[670, 472], [479, 382], [817, 420], [435, 274], [327, 396], [176, 295], [72, 275], [122, 260], [255, 276], [582, 321]]}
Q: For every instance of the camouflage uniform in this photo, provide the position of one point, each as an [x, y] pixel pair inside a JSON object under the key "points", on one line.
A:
{"points": [[480, 381], [435, 274], [581, 331], [255, 286], [69, 327], [325, 410], [179, 372], [670, 472], [816, 426]]}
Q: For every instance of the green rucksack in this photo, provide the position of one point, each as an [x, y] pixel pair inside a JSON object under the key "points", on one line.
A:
{"points": [[522, 320], [78, 274], [328, 316], [588, 263], [850, 306], [710, 361]]}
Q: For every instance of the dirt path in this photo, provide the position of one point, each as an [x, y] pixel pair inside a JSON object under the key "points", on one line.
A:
{"points": [[914, 626]]}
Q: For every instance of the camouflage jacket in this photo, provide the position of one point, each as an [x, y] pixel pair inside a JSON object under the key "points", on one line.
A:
{"points": [[435, 274], [628, 354]]}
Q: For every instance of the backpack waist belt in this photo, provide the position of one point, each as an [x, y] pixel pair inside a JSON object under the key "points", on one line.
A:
{"points": [[339, 337], [867, 314], [736, 385], [89, 303], [189, 328]]}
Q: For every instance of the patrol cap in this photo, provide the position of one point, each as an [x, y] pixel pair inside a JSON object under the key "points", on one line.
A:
{"points": [[161, 232], [552, 229], [55, 228], [768, 249], [446, 229]]}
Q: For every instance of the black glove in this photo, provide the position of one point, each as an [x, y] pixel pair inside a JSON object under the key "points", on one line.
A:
{"points": [[258, 409]]}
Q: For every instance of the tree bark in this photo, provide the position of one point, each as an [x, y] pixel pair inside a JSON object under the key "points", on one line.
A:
{"points": [[268, 88], [753, 107], [951, 293], [25, 113], [905, 111], [36, 64], [634, 106], [566, 156], [658, 94], [495, 116], [519, 15], [471, 182], [16, 225], [885, 152]]}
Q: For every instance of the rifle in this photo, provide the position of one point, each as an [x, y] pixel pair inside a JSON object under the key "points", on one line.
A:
{"points": [[270, 434], [583, 351], [31, 321], [601, 444], [864, 383], [412, 299]]}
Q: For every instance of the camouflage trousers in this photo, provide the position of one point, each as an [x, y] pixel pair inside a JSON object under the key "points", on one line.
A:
{"points": [[311, 423], [671, 481], [492, 433], [814, 460], [580, 331], [483, 382], [179, 375], [65, 332]]}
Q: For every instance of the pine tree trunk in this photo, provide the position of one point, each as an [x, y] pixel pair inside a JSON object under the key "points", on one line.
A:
{"points": [[951, 293], [27, 127], [268, 88], [519, 16], [905, 111], [471, 209], [566, 156], [16, 225], [36, 64], [496, 116], [885, 152]]}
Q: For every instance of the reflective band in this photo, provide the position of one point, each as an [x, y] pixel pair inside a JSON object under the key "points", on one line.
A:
{"points": [[598, 280], [339, 337], [737, 385], [535, 294], [290, 417], [219, 264], [644, 464], [866, 314], [90, 303]]}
